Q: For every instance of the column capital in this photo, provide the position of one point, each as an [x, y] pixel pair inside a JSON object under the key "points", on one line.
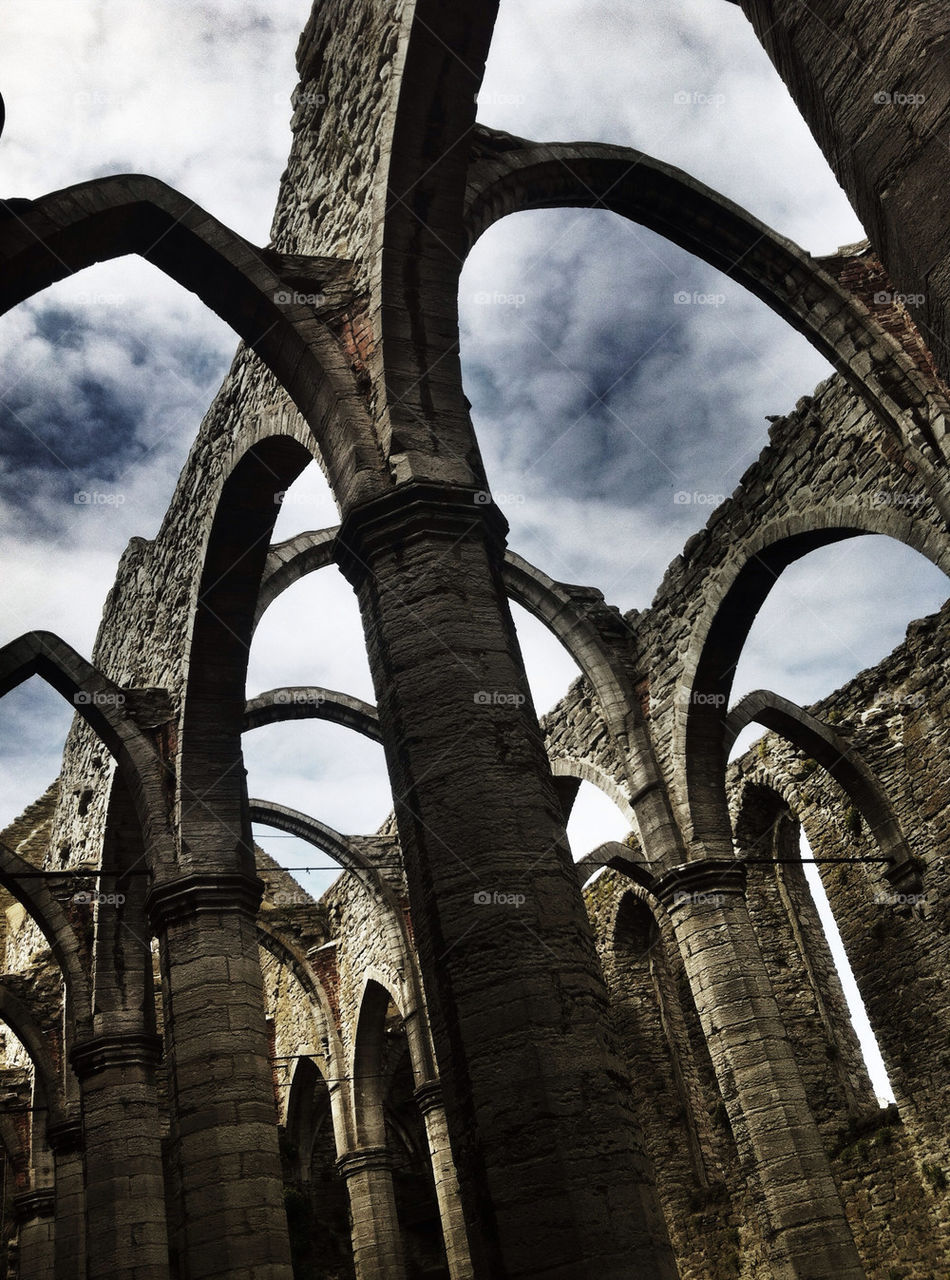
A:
{"points": [[66, 1137], [189, 895], [415, 510], [696, 883], [365, 1160], [130, 1048], [39, 1203], [428, 1096]]}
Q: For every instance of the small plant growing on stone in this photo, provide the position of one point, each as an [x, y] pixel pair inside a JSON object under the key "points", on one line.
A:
{"points": [[852, 820], [935, 1176]]}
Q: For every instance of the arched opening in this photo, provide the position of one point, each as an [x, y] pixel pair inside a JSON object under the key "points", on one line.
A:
{"points": [[719, 642], [878, 712], [706, 98], [315, 1194], [388, 1116], [306, 504], [578, 359], [36, 720], [320, 769], [595, 818], [806, 975], [312, 634], [668, 1091], [548, 665], [839, 610]]}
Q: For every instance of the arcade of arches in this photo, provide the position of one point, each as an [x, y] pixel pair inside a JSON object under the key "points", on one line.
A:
{"points": [[472, 1058]]}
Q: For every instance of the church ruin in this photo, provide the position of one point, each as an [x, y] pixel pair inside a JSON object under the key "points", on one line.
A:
{"points": [[472, 1058]]}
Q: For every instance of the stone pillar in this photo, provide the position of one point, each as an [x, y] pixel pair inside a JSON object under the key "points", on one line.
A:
{"points": [[126, 1235], [35, 1233], [429, 1098], [377, 1244], [887, 147], [807, 1233], [221, 1089], [540, 1117], [65, 1142]]}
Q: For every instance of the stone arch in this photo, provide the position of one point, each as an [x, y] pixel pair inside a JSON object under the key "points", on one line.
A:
{"points": [[18, 1017], [378, 992], [619, 856], [421, 239], [102, 705], [123, 987], [211, 787], [588, 771], [66, 231], [581, 621], [18, 877], [818, 740], [331, 1053], [797, 955], [288, 562], [510, 174], [391, 916], [641, 958], [565, 611], [367, 1085], [734, 592], [311, 702]]}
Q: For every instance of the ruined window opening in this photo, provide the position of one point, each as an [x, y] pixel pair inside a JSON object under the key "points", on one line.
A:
{"points": [[859, 1017]]}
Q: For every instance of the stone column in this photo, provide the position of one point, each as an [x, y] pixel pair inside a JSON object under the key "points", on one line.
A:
{"points": [[126, 1235], [429, 1098], [65, 1142], [540, 1117], [806, 1229], [220, 1084], [377, 1243], [35, 1232]]}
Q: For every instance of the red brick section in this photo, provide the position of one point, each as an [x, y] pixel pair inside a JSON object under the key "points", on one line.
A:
{"points": [[865, 277]]}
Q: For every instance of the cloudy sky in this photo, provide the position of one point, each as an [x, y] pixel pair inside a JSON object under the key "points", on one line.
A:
{"points": [[596, 397]]}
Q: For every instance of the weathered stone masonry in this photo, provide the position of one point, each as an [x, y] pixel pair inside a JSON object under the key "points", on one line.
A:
{"points": [[214, 1076]]}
